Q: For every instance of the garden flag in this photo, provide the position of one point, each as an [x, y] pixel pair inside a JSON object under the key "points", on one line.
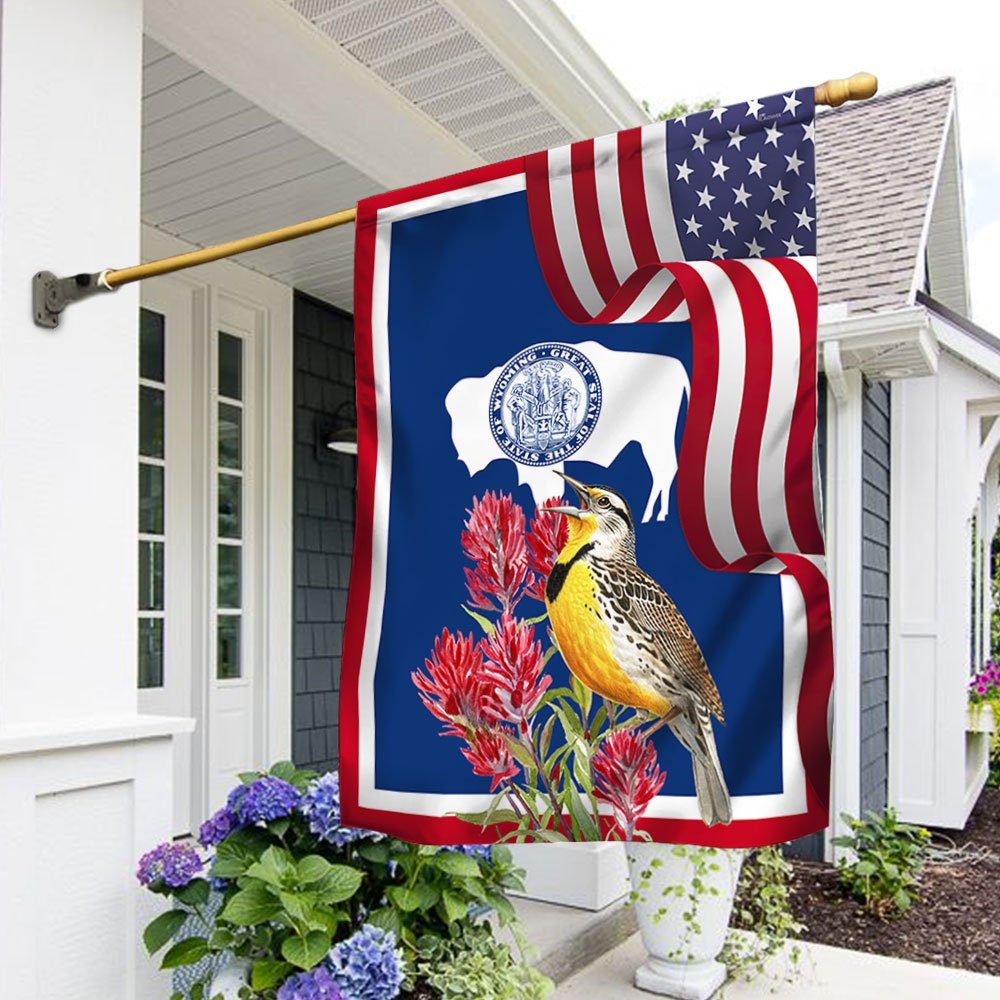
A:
{"points": [[588, 597]]}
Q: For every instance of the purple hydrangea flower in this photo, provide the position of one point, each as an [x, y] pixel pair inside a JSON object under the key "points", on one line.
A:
{"points": [[368, 965], [217, 827], [317, 984], [321, 806], [265, 799], [174, 864]]}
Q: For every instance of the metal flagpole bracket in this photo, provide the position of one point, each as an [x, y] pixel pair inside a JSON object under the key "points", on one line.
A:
{"points": [[50, 295]]}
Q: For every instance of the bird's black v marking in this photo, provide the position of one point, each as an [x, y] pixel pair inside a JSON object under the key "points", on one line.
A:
{"points": [[557, 577]]}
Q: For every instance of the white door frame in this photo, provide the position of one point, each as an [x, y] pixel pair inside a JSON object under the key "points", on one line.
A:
{"points": [[219, 294]]}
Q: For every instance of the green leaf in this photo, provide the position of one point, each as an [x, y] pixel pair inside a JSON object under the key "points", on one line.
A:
{"points": [[311, 868], [387, 918], [305, 952], [546, 738], [460, 865], [195, 893], [455, 907], [279, 827], [159, 931], [250, 906], [581, 815], [375, 851], [186, 952], [484, 623], [405, 899], [276, 866], [339, 883], [284, 769], [538, 619], [268, 972], [521, 753]]}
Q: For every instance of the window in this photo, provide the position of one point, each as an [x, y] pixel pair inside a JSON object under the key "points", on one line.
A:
{"points": [[152, 409], [229, 482]]}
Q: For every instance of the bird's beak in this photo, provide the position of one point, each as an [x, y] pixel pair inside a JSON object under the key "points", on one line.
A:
{"points": [[581, 490]]}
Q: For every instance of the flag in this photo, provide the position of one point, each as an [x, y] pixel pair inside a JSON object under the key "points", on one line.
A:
{"points": [[588, 597]]}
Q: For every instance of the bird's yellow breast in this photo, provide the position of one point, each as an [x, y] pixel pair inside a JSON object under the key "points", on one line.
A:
{"points": [[587, 645]]}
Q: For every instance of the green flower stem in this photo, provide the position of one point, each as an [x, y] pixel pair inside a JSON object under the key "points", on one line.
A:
{"points": [[529, 745]]}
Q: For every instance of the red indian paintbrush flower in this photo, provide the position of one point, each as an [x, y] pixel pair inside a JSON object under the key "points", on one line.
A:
{"points": [[494, 540], [455, 688], [490, 756], [546, 540], [514, 664], [626, 776]]}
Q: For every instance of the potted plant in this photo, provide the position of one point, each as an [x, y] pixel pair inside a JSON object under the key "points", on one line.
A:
{"points": [[683, 898], [294, 906]]}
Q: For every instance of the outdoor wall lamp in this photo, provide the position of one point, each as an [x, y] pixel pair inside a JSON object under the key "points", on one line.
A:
{"points": [[342, 434]]}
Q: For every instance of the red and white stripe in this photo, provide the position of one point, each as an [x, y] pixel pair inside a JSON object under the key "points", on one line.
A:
{"points": [[604, 232], [603, 223]]}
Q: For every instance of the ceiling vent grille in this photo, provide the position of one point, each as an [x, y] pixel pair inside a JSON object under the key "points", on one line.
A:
{"points": [[423, 52]]}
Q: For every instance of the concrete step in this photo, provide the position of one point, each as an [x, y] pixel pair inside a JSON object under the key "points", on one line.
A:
{"points": [[827, 974], [563, 939]]}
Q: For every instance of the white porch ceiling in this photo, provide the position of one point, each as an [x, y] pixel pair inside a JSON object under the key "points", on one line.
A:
{"points": [[484, 84], [215, 167]]}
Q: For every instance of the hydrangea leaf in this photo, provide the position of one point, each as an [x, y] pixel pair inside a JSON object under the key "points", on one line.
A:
{"points": [[339, 883], [268, 972], [159, 931], [305, 952], [250, 906], [186, 952]]}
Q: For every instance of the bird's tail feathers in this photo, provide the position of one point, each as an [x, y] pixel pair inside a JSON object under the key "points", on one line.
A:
{"points": [[694, 730]]}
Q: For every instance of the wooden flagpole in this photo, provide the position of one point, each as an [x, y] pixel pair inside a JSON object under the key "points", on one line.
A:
{"points": [[53, 294]]}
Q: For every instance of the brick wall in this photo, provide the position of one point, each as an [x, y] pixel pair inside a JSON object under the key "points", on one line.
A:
{"points": [[323, 530]]}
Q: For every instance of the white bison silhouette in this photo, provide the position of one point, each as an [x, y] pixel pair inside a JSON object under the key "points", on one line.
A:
{"points": [[642, 396]]}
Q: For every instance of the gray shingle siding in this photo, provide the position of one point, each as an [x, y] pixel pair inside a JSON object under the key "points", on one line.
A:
{"points": [[875, 472], [323, 530]]}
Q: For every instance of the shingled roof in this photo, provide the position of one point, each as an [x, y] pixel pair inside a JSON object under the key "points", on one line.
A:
{"points": [[876, 173]]}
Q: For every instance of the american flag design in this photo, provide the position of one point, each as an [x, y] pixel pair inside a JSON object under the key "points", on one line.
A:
{"points": [[706, 224]]}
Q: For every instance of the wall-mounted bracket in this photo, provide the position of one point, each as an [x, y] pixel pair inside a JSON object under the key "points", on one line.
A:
{"points": [[50, 295]]}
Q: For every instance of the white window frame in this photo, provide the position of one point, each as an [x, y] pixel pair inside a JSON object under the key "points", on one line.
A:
{"points": [[227, 297]]}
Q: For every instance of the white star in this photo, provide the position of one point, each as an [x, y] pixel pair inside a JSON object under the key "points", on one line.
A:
{"points": [[683, 119], [699, 140], [812, 189], [684, 172], [753, 107], [778, 192], [719, 168], [742, 195], [792, 247], [718, 112], [704, 198], [754, 248], [791, 103], [773, 135], [693, 226], [810, 130], [728, 223], [766, 222], [735, 138], [718, 250], [756, 165], [805, 219], [794, 162]]}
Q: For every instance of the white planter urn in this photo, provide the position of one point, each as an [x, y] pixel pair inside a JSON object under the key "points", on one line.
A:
{"points": [[668, 882], [227, 981]]}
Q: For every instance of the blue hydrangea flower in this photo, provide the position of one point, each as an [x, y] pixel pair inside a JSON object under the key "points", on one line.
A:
{"points": [[265, 799], [217, 827], [368, 965], [174, 864], [317, 984], [321, 806]]}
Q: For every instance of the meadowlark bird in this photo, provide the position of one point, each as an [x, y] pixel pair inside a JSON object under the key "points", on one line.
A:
{"points": [[622, 636]]}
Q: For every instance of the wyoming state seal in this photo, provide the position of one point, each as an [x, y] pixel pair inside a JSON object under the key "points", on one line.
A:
{"points": [[545, 404]]}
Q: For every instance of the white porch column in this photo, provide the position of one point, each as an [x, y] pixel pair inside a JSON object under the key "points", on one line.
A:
{"points": [[84, 782], [844, 531]]}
